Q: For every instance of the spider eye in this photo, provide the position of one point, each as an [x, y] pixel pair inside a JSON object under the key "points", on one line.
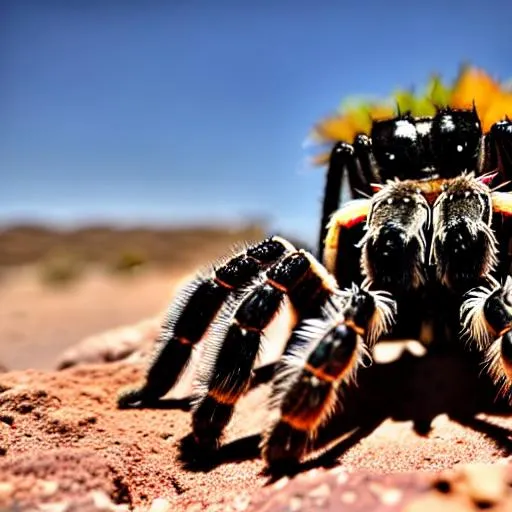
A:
{"points": [[456, 136], [395, 147]]}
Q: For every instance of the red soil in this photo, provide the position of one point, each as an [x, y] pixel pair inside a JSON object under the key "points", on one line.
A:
{"points": [[65, 446], [62, 437]]}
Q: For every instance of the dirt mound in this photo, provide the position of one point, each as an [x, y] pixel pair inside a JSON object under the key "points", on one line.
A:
{"points": [[62, 437], [65, 445]]}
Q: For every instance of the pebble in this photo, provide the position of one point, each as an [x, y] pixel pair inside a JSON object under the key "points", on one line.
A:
{"points": [[160, 505], [483, 483], [47, 488], [6, 491]]}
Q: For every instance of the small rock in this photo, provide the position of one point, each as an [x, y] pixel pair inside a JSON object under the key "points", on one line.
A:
{"points": [[6, 491], [295, 504], [160, 505], [320, 494], [47, 488], [241, 502], [482, 483], [60, 506], [348, 497], [113, 345]]}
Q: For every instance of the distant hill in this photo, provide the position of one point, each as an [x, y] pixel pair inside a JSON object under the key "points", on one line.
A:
{"points": [[22, 245]]}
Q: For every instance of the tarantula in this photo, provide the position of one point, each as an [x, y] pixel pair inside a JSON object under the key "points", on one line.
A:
{"points": [[421, 252]]}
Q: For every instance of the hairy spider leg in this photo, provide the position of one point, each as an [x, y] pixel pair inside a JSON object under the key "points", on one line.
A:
{"points": [[323, 353], [342, 154], [192, 312], [231, 352], [358, 162], [487, 321], [486, 314]]}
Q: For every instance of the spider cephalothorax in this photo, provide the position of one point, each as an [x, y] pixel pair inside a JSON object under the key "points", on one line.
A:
{"points": [[423, 254], [427, 149]]}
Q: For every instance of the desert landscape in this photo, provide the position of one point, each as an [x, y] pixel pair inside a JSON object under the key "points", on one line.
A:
{"points": [[78, 321], [141, 142], [60, 286]]}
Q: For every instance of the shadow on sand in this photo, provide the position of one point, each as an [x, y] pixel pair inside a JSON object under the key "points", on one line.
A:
{"points": [[411, 388]]}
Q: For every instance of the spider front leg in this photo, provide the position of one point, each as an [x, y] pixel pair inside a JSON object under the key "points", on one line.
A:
{"points": [[226, 371], [358, 162], [194, 309], [322, 354]]}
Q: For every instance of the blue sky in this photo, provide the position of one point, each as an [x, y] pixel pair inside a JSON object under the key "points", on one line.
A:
{"points": [[196, 110]]}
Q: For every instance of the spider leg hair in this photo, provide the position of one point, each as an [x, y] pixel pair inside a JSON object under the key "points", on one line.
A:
{"points": [[487, 320], [499, 361], [323, 353], [193, 310], [234, 347], [475, 326]]}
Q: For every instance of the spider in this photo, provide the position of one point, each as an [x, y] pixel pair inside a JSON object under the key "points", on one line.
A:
{"points": [[420, 252]]}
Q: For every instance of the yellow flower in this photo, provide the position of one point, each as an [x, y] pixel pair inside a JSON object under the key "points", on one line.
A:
{"points": [[492, 101], [345, 126]]}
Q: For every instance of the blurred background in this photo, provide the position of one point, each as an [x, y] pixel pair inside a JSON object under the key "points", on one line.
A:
{"points": [[153, 135]]}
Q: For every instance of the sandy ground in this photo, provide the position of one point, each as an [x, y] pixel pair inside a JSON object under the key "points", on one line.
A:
{"points": [[62, 437], [37, 321]]}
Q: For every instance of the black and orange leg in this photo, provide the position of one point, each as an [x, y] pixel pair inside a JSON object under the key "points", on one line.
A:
{"points": [[231, 352], [342, 155], [486, 317], [486, 313], [194, 309], [342, 253], [357, 161], [323, 354]]}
